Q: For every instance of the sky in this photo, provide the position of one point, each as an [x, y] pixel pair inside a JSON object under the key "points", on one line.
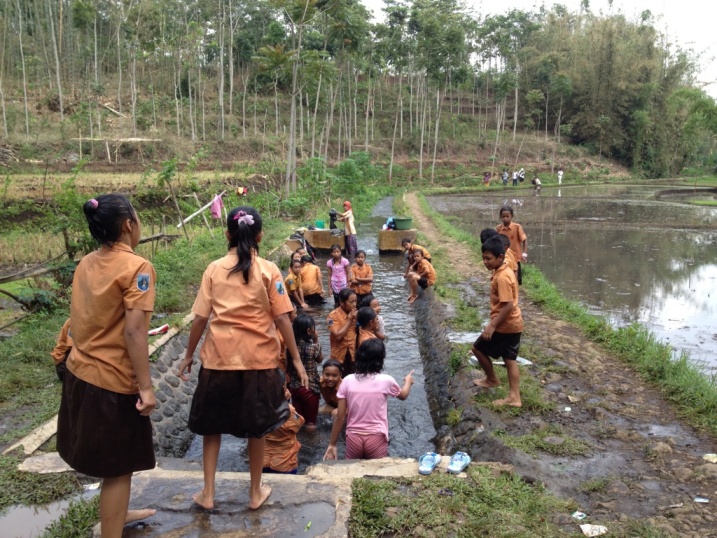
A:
{"points": [[687, 23]]}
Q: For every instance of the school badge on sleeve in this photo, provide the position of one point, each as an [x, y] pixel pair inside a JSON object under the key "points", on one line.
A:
{"points": [[143, 281], [280, 287]]}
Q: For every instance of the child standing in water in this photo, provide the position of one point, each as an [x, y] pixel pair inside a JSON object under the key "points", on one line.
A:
{"points": [[361, 280], [306, 400], [363, 405], [240, 390], [367, 322], [501, 337], [342, 330], [293, 284], [330, 382], [103, 426], [339, 273], [518, 239], [371, 301], [312, 283]]}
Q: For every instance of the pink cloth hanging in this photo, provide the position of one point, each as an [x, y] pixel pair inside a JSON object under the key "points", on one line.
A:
{"points": [[216, 207]]}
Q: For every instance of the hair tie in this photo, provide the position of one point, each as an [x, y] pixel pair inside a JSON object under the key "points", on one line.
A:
{"points": [[243, 216], [94, 203]]}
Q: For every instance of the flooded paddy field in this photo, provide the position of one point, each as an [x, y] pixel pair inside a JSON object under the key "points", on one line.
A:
{"points": [[629, 253]]}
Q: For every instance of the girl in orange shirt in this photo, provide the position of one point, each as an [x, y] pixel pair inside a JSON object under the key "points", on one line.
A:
{"points": [[361, 280], [240, 390], [367, 322]]}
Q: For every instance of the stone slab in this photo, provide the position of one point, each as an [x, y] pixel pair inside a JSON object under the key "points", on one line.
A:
{"points": [[390, 240], [323, 239], [44, 464]]}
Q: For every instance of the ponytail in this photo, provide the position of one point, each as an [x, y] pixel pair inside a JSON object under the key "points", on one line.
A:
{"points": [[244, 227]]}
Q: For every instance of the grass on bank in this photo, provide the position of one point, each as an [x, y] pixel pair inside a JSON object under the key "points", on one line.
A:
{"points": [[79, 519], [445, 505], [680, 380]]}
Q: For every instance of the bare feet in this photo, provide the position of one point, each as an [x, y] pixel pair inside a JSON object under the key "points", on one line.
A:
{"points": [[310, 428], [138, 515], [202, 500], [485, 384], [509, 401], [265, 491], [412, 298]]}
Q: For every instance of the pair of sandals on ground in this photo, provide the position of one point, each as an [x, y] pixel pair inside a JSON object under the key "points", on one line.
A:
{"points": [[430, 460]]}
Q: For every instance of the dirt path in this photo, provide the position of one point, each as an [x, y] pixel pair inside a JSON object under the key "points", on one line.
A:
{"points": [[643, 462]]}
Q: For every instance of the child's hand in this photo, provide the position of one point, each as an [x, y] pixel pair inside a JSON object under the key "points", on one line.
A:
{"points": [[487, 333], [352, 314], [186, 364], [304, 305], [331, 453], [409, 378], [146, 402]]}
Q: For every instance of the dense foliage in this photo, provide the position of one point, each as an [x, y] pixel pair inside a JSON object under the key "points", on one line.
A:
{"points": [[324, 81]]}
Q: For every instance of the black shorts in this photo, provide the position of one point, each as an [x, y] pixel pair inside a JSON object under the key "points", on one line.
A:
{"points": [[501, 345], [423, 282]]}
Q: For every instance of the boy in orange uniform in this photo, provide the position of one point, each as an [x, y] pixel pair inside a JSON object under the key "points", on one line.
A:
{"points": [[410, 247], [501, 337], [361, 276], [518, 239], [421, 274], [281, 453]]}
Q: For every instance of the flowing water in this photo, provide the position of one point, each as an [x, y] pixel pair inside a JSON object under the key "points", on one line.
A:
{"points": [[410, 425], [629, 253]]}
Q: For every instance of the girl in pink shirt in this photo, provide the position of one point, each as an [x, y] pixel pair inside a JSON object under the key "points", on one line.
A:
{"points": [[363, 405]]}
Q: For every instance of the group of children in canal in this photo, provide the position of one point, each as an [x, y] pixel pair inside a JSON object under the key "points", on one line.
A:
{"points": [[244, 305]]}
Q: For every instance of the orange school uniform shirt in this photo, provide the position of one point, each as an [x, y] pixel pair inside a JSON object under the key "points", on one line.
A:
{"points": [[426, 269], [516, 235], [364, 335], [363, 271], [510, 260], [107, 282], [426, 254], [328, 393], [504, 289], [281, 451], [311, 279], [339, 346], [242, 334]]}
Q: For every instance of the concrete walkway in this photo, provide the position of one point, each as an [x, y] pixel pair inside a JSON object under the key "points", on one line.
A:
{"points": [[317, 503]]}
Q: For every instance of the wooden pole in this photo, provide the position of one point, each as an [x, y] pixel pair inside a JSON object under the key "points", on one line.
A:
{"points": [[204, 215], [176, 205]]}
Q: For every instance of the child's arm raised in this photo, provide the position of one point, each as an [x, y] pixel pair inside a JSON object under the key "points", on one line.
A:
{"points": [[505, 310], [199, 323], [331, 451], [135, 334], [407, 382], [287, 332]]}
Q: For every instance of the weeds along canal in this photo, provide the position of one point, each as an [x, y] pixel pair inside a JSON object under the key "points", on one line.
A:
{"points": [[410, 426]]}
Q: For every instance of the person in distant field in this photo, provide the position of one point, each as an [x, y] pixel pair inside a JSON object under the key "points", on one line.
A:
{"points": [[518, 239], [330, 382], [103, 426], [312, 282], [367, 322], [501, 337], [521, 175], [560, 175], [421, 274], [240, 388], [486, 179], [361, 276], [504, 177], [409, 248], [363, 405], [293, 284], [306, 400], [342, 330], [281, 454], [372, 301], [537, 184], [515, 178], [349, 229]]}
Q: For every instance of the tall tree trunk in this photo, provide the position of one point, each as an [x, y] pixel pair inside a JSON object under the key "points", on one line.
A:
{"points": [[395, 126], [439, 107], [20, 26], [245, 87], [424, 101], [313, 126], [515, 109], [58, 72], [221, 73], [368, 111], [133, 87], [232, 27]]}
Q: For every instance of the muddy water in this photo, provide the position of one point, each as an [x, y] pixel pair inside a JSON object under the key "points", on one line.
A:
{"points": [[630, 253], [410, 425]]}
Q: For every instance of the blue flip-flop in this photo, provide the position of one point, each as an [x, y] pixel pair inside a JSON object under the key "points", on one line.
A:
{"points": [[459, 461], [428, 462]]}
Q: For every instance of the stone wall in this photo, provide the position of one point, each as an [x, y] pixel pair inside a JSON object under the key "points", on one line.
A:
{"points": [[174, 397]]}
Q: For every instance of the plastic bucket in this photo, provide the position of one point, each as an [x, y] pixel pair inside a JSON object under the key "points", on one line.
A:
{"points": [[403, 223], [320, 224]]}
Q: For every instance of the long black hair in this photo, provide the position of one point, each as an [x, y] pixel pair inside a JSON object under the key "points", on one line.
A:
{"points": [[302, 325], [369, 357], [105, 216], [244, 226]]}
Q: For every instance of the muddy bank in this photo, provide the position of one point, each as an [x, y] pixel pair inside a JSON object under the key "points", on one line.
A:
{"points": [[639, 461]]}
